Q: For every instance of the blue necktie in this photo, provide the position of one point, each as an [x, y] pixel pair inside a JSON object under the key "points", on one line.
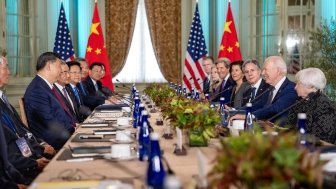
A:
{"points": [[253, 89], [75, 90], [82, 88]]}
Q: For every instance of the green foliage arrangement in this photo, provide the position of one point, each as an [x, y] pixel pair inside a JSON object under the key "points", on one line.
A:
{"points": [[259, 161], [184, 113], [322, 52]]}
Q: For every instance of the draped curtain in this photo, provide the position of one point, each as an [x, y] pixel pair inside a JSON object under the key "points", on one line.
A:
{"points": [[164, 17], [120, 20]]}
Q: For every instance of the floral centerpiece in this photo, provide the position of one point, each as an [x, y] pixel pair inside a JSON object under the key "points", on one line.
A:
{"points": [[259, 161]]}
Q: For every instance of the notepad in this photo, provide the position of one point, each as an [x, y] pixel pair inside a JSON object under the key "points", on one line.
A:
{"points": [[105, 132]]}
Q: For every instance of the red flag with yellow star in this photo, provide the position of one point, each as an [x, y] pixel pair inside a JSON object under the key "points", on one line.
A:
{"points": [[229, 47], [96, 50]]}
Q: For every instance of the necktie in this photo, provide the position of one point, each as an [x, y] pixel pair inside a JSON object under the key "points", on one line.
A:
{"points": [[66, 94], [253, 89], [270, 96], [75, 90], [5, 100], [61, 101], [96, 86], [82, 88], [223, 84]]}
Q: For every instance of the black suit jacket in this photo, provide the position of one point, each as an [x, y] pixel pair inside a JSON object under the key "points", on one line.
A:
{"points": [[260, 97], [92, 98], [67, 103], [226, 92], [206, 85], [77, 105]]}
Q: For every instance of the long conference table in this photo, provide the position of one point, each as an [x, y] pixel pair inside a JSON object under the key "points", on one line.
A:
{"points": [[86, 174]]}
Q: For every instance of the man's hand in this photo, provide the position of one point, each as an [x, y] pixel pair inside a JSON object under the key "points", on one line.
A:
{"points": [[49, 150], [21, 186], [41, 163], [237, 116]]}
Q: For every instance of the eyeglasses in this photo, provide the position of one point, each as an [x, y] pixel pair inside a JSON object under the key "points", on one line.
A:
{"points": [[253, 61], [65, 72], [98, 71], [75, 73]]}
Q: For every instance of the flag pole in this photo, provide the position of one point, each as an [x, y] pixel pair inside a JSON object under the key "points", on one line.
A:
{"points": [[96, 1]]}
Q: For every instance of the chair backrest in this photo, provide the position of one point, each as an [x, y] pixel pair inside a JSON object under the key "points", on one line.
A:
{"points": [[23, 112]]}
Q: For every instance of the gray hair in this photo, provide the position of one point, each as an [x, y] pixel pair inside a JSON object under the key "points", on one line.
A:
{"points": [[224, 60], [278, 62], [312, 77], [2, 59]]}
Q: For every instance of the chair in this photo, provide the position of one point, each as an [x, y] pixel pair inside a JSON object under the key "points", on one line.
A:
{"points": [[23, 112]]}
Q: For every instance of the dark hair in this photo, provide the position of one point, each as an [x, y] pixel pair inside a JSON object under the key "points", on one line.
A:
{"points": [[96, 64], [74, 63], [253, 61], [44, 58], [240, 64]]}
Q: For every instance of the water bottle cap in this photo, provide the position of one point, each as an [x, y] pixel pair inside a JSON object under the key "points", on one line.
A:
{"points": [[136, 97], [222, 98], [172, 182], [141, 105], [249, 104], [154, 136], [302, 116], [144, 112]]}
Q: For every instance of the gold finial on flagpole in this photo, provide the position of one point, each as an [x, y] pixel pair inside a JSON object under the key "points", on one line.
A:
{"points": [[96, 1], [196, 1]]}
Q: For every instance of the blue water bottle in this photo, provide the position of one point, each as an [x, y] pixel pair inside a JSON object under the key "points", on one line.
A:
{"points": [[136, 111], [155, 172], [144, 140], [248, 123], [223, 112], [301, 123]]}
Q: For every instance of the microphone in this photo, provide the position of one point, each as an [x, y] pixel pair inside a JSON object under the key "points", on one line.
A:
{"points": [[216, 95], [258, 96], [107, 91], [123, 86], [291, 106]]}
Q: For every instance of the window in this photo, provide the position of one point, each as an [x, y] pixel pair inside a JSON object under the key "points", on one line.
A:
{"points": [[141, 65], [19, 37]]}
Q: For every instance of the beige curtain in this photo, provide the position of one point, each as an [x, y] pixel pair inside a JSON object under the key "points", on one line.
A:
{"points": [[120, 20], [164, 17]]}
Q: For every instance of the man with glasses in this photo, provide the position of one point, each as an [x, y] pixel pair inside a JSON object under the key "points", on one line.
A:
{"points": [[62, 91], [93, 85], [257, 93]]}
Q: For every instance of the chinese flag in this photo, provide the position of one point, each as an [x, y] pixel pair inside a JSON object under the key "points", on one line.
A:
{"points": [[229, 47], [96, 50]]}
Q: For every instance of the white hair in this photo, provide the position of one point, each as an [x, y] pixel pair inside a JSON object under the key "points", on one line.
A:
{"points": [[312, 77], [278, 62], [2, 59]]}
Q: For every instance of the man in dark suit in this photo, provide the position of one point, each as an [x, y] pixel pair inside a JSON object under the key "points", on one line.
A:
{"points": [[282, 94], [75, 93], [94, 87], [46, 116], [62, 91], [258, 91], [225, 89], [207, 63], [30, 161]]}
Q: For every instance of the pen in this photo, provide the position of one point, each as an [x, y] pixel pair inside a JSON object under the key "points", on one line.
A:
{"points": [[79, 160]]}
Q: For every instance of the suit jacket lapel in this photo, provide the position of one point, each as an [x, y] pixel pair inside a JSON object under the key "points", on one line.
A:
{"points": [[278, 94]]}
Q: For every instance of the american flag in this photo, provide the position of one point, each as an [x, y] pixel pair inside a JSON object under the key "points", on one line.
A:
{"points": [[63, 45], [196, 50], [295, 60]]}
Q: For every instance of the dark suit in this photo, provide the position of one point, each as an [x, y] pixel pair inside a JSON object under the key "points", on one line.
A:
{"points": [[206, 85], [224, 92], [46, 117], [77, 103], [285, 97], [260, 98], [9, 176], [92, 98], [68, 105]]}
